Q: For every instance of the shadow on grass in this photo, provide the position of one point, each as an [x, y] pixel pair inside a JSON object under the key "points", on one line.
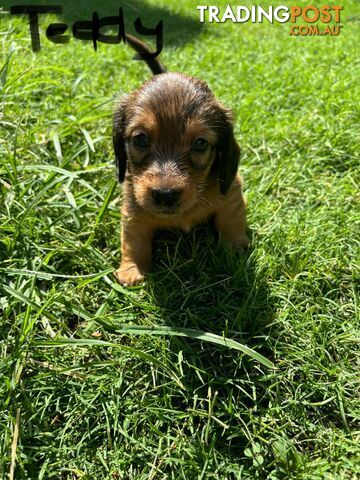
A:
{"points": [[200, 284], [178, 28]]}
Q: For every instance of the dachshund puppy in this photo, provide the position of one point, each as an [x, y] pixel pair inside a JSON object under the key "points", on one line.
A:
{"points": [[178, 158]]}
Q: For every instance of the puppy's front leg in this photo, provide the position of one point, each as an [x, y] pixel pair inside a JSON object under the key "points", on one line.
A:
{"points": [[136, 252], [230, 217]]}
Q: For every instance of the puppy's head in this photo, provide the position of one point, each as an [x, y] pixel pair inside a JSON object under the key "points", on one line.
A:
{"points": [[171, 140]]}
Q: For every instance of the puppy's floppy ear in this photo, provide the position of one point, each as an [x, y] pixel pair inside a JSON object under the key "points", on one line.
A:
{"points": [[228, 154], [119, 140]]}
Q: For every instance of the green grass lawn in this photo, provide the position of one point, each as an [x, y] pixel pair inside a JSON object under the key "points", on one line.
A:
{"points": [[91, 398]]}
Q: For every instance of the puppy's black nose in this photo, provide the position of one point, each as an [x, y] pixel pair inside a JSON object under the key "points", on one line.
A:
{"points": [[165, 197]]}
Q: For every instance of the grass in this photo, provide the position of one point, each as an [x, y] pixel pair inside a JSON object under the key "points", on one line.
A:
{"points": [[103, 382]]}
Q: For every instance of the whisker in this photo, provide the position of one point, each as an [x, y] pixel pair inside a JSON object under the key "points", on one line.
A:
{"points": [[205, 201]]}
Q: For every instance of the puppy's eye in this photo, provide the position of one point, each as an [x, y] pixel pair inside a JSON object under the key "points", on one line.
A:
{"points": [[141, 140], [200, 145]]}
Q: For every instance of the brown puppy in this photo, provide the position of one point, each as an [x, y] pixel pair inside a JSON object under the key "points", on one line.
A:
{"points": [[176, 151]]}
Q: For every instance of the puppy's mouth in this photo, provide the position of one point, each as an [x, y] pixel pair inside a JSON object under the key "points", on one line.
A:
{"points": [[166, 211]]}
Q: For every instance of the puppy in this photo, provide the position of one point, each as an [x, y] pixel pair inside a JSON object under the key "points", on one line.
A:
{"points": [[178, 158]]}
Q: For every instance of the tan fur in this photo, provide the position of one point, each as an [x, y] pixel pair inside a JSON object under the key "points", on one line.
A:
{"points": [[163, 111]]}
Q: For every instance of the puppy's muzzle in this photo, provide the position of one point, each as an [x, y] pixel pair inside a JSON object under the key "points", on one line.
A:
{"points": [[166, 197]]}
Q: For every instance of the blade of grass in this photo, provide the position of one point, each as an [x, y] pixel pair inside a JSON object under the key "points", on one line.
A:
{"points": [[193, 334], [103, 209]]}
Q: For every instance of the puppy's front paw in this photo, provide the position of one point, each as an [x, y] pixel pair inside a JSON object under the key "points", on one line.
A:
{"points": [[129, 274]]}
